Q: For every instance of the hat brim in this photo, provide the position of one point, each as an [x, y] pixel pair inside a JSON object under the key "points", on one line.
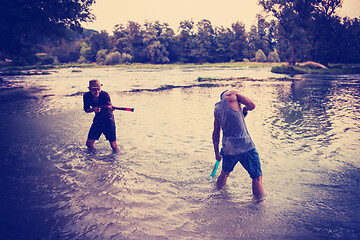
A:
{"points": [[95, 86]]}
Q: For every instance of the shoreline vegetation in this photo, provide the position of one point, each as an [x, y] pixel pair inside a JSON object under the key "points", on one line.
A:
{"points": [[280, 68]]}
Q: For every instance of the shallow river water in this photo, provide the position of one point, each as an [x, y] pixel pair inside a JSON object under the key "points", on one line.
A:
{"points": [[306, 130]]}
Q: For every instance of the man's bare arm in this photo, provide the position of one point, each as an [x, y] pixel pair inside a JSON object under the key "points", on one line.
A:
{"points": [[216, 139], [250, 105], [235, 99]]}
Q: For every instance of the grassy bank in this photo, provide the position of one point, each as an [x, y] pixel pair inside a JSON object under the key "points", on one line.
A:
{"points": [[309, 69]]}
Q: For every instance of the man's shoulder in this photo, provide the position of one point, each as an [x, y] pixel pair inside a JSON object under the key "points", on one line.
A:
{"points": [[104, 93], [218, 106], [87, 94]]}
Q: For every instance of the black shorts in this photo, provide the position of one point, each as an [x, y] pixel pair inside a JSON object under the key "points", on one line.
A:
{"points": [[108, 129]]}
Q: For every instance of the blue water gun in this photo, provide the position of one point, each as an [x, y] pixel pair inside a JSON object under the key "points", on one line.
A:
{"points": [[214, 170]]}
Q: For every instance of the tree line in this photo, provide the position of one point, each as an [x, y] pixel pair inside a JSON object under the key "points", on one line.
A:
{"points": [[157, 43], [287, 30]]}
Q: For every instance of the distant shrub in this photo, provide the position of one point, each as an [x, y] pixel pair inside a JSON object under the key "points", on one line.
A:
{"points": [[82, 59], [273, 57], [48, 60], [86, 54], [246, 60], [126, 58], [89, 55], [260, 56], [67, 52], [45, 59], [113, 58], [101, 56]]}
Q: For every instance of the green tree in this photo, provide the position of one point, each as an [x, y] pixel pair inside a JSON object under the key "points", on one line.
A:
{"points": [[350, 46], [231, 43], [327, 33], [157, 52], [97, 41], [326, 38], [67, 51], [101, 56], [185, 42], [25, 23], [255, 42], [205, 43], [297, 19], [223, 38], [239, 44], [271, 34], [293, 17], [262, 36], [135, 41], [120, 39], [156, 40]]}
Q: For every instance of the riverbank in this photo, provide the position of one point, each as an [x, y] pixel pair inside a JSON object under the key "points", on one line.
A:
{"points": [[315, 68]]}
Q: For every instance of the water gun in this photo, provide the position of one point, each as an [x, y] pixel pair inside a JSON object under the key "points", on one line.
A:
{"points": [[124, 109], [214, 170], [120, 108]]}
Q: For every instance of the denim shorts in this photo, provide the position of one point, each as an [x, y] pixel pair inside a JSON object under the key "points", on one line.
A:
{"points": [[108, 129], [249, 160]]}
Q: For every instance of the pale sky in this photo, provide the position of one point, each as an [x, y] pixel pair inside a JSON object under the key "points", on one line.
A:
{"points": [[221, 13]]}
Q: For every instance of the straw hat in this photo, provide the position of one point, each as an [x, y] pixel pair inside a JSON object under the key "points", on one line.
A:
{"points": [[94, 83]]}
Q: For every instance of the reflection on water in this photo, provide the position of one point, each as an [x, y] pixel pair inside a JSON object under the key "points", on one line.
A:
{"points": [[306, 131]]}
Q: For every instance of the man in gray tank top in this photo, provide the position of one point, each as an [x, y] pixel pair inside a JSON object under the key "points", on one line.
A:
{"points": [[237, 145]]}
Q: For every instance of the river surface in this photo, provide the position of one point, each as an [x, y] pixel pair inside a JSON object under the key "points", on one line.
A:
{"points": [[306, 130]]}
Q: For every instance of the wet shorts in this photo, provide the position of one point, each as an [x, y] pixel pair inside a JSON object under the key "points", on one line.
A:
{"points": [[249, 160], [109, 130]]}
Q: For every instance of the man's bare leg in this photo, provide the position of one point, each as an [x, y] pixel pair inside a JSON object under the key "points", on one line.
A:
{"points": [[90, 145], [257, 187], [114, 146], [221, 181]]}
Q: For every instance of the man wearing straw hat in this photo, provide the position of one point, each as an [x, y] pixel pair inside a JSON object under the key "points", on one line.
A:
{"points": [[237, 145], [98, 101]]}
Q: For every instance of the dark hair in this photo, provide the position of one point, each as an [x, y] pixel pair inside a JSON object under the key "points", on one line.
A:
{"points": [[222, 94]]}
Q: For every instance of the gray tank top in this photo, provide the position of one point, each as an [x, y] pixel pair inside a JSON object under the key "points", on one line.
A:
{"points": [[236, 138]]}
